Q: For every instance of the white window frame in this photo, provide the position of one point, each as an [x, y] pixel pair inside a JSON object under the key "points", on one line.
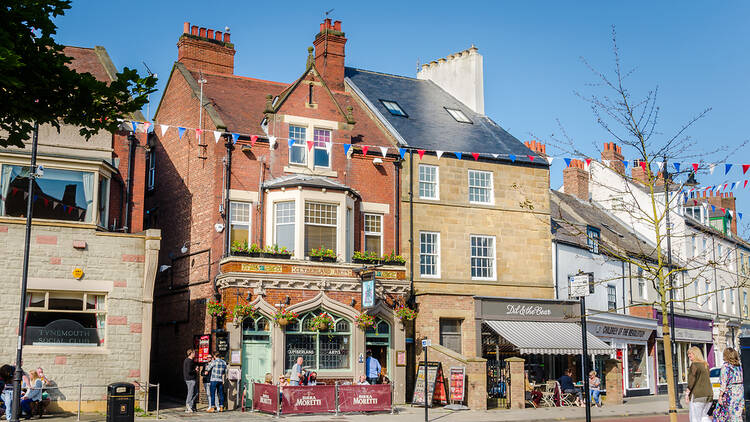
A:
{"points": [[293, 223], [491, 187], [459, 115], [372, 233], [593, 239], [248, 223], [641, 282], [302, 145], [435, 182], [492, 257], [151, 170], [436, 254], [335, 224], [611, 288], [84, 295], [102, 212], [325, 147], [394, 108]]}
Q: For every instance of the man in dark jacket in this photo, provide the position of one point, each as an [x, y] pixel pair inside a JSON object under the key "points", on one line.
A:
{"points": [[189, 372]]}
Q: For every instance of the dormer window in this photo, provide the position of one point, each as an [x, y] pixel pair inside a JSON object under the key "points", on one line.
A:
{"points": [[593, 235], [458, 115], [394, 108]]}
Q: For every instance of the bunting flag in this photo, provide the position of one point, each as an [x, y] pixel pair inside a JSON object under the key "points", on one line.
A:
{"points": [[163, 129], [289, 142], [711, 168], [495, 155], [745, 184], [272, 141], [329, 147], [695, 166], [643, 165], [421, 153], [727, 167], [458, 155], [217, 135], [625, 163], [365, 148], [235, 138], [606, 162], [253, 138], [198, 133], [384, 151], [739, 214], [733, 185], [660, 164], [713, 208], [531, 158], [567, 162], [180, 131], [135, 126], [439, 154], [588, 162], [676, 167], [745, 167], [475, 155], [310, 145], [346, 149], [513, 158], [549, 159], [402, 152]]}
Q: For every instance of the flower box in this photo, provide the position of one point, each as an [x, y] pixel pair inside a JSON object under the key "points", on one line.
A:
{"points": [[277, 255], [323, 259]]}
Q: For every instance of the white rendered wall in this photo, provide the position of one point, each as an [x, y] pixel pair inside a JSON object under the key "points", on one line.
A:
{"points": [[461, 75]]}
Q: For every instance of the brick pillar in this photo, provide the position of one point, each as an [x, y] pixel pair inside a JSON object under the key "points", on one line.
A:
{"points": [[517, 390], [613, 381]]}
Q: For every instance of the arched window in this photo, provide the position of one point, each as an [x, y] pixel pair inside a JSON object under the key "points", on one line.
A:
{"points": [[320, 350], [257, 329]]}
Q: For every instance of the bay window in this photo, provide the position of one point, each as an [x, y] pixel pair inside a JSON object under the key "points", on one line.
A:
{"points": [[320, 226], [329, 349], [103, 202], [284, 213], [64, 318]]}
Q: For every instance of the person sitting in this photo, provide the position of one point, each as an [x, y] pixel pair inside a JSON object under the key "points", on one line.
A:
{"points": [[269, 379], [30, 402], [567, 386], [532, 395], [594, 385], [310, 378], [362, 380]]}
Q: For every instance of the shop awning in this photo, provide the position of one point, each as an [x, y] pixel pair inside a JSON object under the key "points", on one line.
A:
{"points": [[550, 338]]}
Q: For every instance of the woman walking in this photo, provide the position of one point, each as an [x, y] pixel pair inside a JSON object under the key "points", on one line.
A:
{"points": [[731, 395], [699, 392]]}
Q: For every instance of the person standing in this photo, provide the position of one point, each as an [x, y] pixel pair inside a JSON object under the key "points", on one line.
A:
{"points": [[191, 380], [297, 372], [372, 368], [218, 368], [731, 403], [699, 392], [206, 374], [6, 376]]}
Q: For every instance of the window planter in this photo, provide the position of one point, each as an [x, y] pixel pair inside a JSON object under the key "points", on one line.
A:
{"points": [[277, 255], [241, 253], [397, 263], [365, 261], [322, 259]]}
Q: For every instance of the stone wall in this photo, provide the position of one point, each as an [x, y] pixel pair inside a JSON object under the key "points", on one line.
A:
{"points": [[476, 373], [113, 263]]}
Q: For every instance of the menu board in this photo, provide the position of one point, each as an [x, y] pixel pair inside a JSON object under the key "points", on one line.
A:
{"points": [[222, 345], [457, 378], [202, 344], [435, 384]]}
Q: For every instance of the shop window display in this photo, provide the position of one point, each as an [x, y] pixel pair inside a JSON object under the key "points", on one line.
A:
{"points": [[637, 366], [320, 350]]}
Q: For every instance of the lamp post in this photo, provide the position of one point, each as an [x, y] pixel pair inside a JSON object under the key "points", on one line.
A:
{"points": [[24, 279]]}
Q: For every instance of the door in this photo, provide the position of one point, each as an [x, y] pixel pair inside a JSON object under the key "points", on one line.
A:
{"points": [[256, 353]]}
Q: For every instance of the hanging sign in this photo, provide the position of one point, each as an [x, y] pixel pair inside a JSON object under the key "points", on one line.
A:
{"points": [[435, 385], [581, 285], [368, 293], [457, 376], [202, 344]]}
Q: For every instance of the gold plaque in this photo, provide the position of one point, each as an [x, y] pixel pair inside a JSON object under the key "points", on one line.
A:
{"points": [[77, 273]]}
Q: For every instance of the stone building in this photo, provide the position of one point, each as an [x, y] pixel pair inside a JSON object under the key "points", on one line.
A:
{"points": [[480, 206], [92, 265], [298, 169]]}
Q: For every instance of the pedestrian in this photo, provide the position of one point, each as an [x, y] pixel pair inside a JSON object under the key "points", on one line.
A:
{"points": [[218, 368], [206, 375], [189, 373], [362, 380], [268, 379], [283, 382], [567, 386], [6, 376], [372, 368], [731, 402], [31, 399], [699, 392], [594, 386], [311, 378], [297, 372]]}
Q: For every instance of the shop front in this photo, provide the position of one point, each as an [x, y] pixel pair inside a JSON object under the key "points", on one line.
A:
{"points": [[689, 331], [545, 333], [263, 343], [631, 339]]}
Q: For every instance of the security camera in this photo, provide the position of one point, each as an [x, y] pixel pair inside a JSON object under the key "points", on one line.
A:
{"points": [[164, 268], [219, 227]]}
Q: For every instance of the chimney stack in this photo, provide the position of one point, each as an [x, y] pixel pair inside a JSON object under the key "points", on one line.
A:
{"points": [[537, 147], [461, 75], [576, 180], [329, 54], [638, 173], [613, 153], [201, 49]]}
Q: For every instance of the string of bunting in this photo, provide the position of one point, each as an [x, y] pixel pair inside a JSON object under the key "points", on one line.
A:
{"points": [[365, 149]]}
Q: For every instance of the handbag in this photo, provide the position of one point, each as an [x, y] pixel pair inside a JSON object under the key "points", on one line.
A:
{"points": [[712, 408]]}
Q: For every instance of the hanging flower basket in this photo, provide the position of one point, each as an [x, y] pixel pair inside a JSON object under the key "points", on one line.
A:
{"points": [[365, 321], [322, 322], [242, 311], [283, 317], [216, 309], [405, 313]]}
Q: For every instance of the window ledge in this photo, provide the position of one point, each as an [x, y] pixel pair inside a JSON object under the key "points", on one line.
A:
{"points": [[306, 170], [69, 350]]}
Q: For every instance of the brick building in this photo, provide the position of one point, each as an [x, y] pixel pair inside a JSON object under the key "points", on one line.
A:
{"points": [[292, 167], [88, 213]]}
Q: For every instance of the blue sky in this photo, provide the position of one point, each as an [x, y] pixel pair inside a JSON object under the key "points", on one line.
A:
{"points": [[696, 52]]}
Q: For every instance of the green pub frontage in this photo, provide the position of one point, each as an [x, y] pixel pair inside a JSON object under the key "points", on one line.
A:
{"points": [[265, 342]]}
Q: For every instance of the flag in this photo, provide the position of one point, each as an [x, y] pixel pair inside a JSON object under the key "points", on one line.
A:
{"points": [[198, 133], [726, 168], [163, 129], [271, 141], [365, 148], [745, 184], [310, 145], [384, 151], [180, 132], [606, 162], [643, 165], [495, 155], [458, 155], [290, 142], [253, 139], [733, 185], [531, 158], [402, 152], [512, 157], [588, 161], [346, 149], [711, 168], [695, 166], [475, 155], [549, 159], [235, 137], [713, 208], [439, 154], [567, 162], [745, 167], [421, 153], [625, 163], [135, 126], [739, 214], [676, 166], [217, 136], [660, 164]]}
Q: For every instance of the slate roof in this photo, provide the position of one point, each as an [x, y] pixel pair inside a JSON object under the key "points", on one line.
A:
{"points": [[571, 216], [428, 125], [307, 181]]}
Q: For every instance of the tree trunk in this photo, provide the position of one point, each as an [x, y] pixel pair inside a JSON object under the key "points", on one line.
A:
{"points": [[671, 387]]}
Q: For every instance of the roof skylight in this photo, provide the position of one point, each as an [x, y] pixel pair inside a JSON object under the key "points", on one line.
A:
{"points": [[458, 115], [394, 108]]}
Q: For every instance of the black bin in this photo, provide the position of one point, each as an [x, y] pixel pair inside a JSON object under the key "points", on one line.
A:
{"points": [[120, 402]]}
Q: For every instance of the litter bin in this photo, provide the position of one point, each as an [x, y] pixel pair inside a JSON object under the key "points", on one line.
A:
{"points": [[120, 402]]}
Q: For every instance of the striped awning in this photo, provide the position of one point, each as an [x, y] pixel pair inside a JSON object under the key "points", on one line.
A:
{"points": [[548, 338]]}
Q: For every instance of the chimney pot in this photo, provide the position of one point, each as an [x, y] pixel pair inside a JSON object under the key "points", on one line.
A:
{"points": [[200, 54], [186, 28], [194, 30], [210, 34], [328, 23], [226, 37], [218, 36], [322, 26], [202, 33], [337, 26]]}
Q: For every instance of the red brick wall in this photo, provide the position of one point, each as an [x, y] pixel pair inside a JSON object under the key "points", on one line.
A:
{"points": [[207, 55], [576, 180], [120, 147], [329, 54]]}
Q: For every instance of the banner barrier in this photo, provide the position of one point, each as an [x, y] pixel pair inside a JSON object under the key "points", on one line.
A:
{"points": [[265, 397], [308, 399], [364, 398]]}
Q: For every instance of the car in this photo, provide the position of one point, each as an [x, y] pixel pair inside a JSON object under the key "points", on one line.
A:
{"points": [[715, 376]]}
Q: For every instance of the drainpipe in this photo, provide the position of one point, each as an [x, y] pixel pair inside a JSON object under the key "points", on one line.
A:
{"points": [[397, 217], [261, 236], [557, 285], [227, 186], [411, 227], [624, 303], [716, 280], [132, 142]]}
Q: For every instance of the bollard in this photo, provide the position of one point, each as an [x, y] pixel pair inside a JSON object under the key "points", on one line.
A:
{"points": [[278, 408], [157, 400], [336, 401], [393, 411], [80, 395], [145, 408]]}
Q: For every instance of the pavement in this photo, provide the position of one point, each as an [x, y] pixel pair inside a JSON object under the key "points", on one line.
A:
{"points": [[635, 409]]}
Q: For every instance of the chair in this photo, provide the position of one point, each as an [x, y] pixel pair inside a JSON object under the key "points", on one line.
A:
{"points": [[548, 395], [567, 399]]}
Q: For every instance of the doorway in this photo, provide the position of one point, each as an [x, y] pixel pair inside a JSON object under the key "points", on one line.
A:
{"points": [[378, 341], [256, 353]]}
